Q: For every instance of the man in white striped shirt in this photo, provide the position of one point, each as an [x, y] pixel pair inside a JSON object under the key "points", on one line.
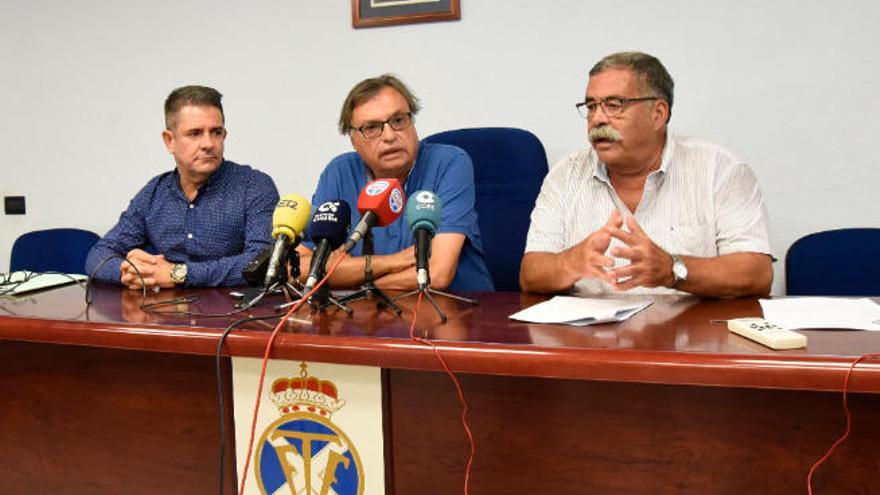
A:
{"points": [[643, 210]]}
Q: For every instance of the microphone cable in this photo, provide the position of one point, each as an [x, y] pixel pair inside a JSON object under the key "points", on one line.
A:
{"points": [[848, 428], [151, 307], [90, 280], [219, 369], [464, 406], [269, 343]]}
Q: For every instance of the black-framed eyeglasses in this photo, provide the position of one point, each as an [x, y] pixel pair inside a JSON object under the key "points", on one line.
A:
{"points": [[613, 106], [373, 129]]}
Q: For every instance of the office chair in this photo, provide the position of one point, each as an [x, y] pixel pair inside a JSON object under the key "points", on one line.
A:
{"points": [[52, 250], [842, 262], [509, 168]]}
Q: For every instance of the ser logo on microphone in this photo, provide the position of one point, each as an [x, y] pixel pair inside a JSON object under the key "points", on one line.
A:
{"points": [[288, 203]]}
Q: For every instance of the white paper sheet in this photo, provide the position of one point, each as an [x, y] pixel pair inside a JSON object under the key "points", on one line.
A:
{"points": [[580, 311], [22, 282], [822, 312]]}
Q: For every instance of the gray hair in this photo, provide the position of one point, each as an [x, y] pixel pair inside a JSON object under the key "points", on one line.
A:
{"points": [[647, 69], [367, 89]]}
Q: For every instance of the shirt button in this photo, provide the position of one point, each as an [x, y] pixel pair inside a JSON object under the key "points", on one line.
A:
{"points": [[189, 236], [192, 205]]}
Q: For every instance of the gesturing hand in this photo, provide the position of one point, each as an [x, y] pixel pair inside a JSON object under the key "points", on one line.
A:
{"points": [[650, 266], [588, 259]]}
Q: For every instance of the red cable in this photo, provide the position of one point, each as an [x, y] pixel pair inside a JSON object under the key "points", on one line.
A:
{"points": [[266, 361], [464, 406], [848, 423]]}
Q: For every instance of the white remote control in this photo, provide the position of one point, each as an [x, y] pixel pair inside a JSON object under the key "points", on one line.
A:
{"points": [[764, 332]]}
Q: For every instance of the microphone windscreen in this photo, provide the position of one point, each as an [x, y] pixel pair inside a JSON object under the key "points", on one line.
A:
{"points": [[383, 197], [423, 211], [331, 221], [291, 216]]}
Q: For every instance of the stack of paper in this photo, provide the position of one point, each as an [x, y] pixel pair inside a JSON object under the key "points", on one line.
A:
{"points": [[822, 312], [580, 311]]}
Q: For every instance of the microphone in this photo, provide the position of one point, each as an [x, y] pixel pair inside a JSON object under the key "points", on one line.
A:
{"points": [[288, 221], [423, 212], [328, 230], [380, 203]]}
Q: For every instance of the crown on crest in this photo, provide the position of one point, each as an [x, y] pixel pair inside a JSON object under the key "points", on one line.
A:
{"points": [[306, 394]]}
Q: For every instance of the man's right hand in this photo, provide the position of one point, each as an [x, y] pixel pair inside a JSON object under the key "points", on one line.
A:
{"points": [[546, 272], [587, 258], [147, 264]]}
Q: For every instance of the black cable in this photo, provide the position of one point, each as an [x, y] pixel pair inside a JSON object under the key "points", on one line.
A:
{"points": [[104, 262], [148, 307], [222, 415], [185, 300]]}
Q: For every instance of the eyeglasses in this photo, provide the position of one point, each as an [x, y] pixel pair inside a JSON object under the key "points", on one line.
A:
{"points": [[372, 130], [613, 106]]}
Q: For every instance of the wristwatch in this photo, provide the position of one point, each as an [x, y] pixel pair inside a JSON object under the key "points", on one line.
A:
{"points": [[178, 273], [679, 270]]}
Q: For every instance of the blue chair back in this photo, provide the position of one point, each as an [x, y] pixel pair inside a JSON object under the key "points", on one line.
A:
{"points": [[509, 168], [844, 262], [52, 250]]}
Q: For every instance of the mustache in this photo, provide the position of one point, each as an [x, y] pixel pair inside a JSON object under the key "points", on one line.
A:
{"points": [[605, 133]]}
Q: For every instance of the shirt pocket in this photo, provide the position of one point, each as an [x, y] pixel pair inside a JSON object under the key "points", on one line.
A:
{"points": [[689, 240]]}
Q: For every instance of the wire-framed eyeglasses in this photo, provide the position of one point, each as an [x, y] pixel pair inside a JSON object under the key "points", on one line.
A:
{"points": [[374, 129], [613, 106]]}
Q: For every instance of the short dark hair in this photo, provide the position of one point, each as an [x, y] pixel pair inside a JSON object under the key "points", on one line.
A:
{"points": [[367, 89], [647, 68], [191, 95]]}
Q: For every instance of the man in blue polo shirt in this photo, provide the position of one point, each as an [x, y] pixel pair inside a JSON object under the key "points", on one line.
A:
{"points": [[199, 224], [378, 117]]}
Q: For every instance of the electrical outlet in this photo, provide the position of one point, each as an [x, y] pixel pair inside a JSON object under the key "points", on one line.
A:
{"points": [[13, 205]]}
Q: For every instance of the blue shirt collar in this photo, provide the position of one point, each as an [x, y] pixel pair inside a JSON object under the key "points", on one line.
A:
{"points": [[214, 181]]}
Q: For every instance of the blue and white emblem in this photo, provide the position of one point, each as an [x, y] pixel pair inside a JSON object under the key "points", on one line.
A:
{"points": [[303, 452], [396, 201]]}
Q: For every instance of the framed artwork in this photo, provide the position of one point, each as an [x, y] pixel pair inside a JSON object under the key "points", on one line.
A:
{"points": [[372, 13]]}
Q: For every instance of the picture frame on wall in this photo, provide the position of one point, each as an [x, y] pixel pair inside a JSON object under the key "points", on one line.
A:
{"points": [[374, 13]]}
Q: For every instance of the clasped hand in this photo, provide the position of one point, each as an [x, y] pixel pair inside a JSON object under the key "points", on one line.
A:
{"points": [[155, 270], [649, 265]]}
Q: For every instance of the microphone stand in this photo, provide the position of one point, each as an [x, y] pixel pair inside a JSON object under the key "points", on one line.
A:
{"points": [[368, 289], [321, 298], [426, 290], [280, 282]]}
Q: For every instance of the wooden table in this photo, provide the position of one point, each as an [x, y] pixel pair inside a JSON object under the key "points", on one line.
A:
{"points": [[110, 399]]}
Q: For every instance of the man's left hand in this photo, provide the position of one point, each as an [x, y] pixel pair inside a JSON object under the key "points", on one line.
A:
{"points": [[650, 266]]}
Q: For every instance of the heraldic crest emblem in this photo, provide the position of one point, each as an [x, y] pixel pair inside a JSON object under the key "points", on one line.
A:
{"points": [[303, 452]]}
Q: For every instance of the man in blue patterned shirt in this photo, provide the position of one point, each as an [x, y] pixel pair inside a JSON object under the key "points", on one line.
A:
{"points": [[199, 224]]}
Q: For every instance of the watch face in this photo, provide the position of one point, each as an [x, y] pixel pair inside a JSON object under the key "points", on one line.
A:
{"points": [[679, 270], [178, 272]]}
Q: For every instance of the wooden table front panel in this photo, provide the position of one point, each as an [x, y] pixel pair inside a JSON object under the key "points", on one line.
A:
{"points": [[92, 421], [536, 435]]}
